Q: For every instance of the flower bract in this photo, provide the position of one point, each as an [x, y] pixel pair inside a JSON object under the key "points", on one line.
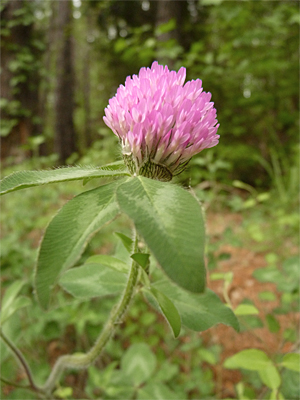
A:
{"points": [[161, 122]]}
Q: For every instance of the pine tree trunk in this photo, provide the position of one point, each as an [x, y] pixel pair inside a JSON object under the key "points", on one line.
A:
{"points": [[65, 137]]}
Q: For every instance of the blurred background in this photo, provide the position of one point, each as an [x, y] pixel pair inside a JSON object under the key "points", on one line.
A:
{"points": [[61, 61]]}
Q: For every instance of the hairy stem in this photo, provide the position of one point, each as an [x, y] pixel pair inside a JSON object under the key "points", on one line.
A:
{"points": [[81, 361]]}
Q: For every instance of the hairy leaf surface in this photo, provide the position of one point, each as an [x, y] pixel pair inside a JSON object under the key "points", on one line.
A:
{"points": [[25, 179], [69, 232], [170, 220]]}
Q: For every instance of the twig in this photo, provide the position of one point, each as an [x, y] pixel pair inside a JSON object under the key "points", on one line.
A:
{"points": [[20, 357], [16, 385]]}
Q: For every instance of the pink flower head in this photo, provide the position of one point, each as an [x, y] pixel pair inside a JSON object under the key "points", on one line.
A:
{"points": [[161, 122]]}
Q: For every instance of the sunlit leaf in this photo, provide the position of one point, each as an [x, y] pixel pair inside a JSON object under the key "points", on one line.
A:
{"points": [[270, 376], [251, 359], [246, 309], [291, 361]]}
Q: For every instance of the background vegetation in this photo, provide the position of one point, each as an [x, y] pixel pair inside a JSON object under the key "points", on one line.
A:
{"points": [[61, 62]]}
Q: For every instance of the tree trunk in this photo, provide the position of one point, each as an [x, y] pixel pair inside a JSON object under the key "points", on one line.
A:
{"points": [[86, 97], [65, 138], [167, 10], [19, 80]]}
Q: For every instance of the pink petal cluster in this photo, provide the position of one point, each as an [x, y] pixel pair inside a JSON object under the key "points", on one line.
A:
{"points": [[161, 121]]}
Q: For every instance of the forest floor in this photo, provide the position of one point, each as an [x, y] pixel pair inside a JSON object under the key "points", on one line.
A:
{"points": [[231, 249], [242, 262], [242, 259]]}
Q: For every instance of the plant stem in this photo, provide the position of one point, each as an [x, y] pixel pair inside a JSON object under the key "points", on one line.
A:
{"points": [[79, 361], [20, 357], [16, 385]]}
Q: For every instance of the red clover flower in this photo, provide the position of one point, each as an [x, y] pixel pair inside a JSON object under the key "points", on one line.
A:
{"points": [[161, 123]]}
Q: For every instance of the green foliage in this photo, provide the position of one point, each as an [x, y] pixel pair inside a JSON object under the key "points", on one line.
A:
{"points": [[142, 322], [25, 179], [93, 280], [68, 233], [168, 310], [164, 215], [291, 361], [245, 54], [245, 64], [285, 278], [11, 303], [198, 311], [22, 50], [256, 360]]}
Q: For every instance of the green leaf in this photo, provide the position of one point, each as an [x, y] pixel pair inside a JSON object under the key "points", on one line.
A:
{"points": [[267, 296], [11, 293], [165, 27], [138, 363], [291, 361], [108, 261], [168, 309], [63, 392], [246, 309], [207, 356], [198, 311], [270, 377], [290, 384], [141, 258], [11, 303], [93, 280], [251, 359], [227, 276], [168, 370], [273, 324], [268, 274], [156, 391], [69, 232], [127, 241], [171, 222], [25, 179]]}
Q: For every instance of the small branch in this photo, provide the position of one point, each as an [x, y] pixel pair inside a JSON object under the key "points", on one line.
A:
{"points": [[20, 357], [82, 360]]}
